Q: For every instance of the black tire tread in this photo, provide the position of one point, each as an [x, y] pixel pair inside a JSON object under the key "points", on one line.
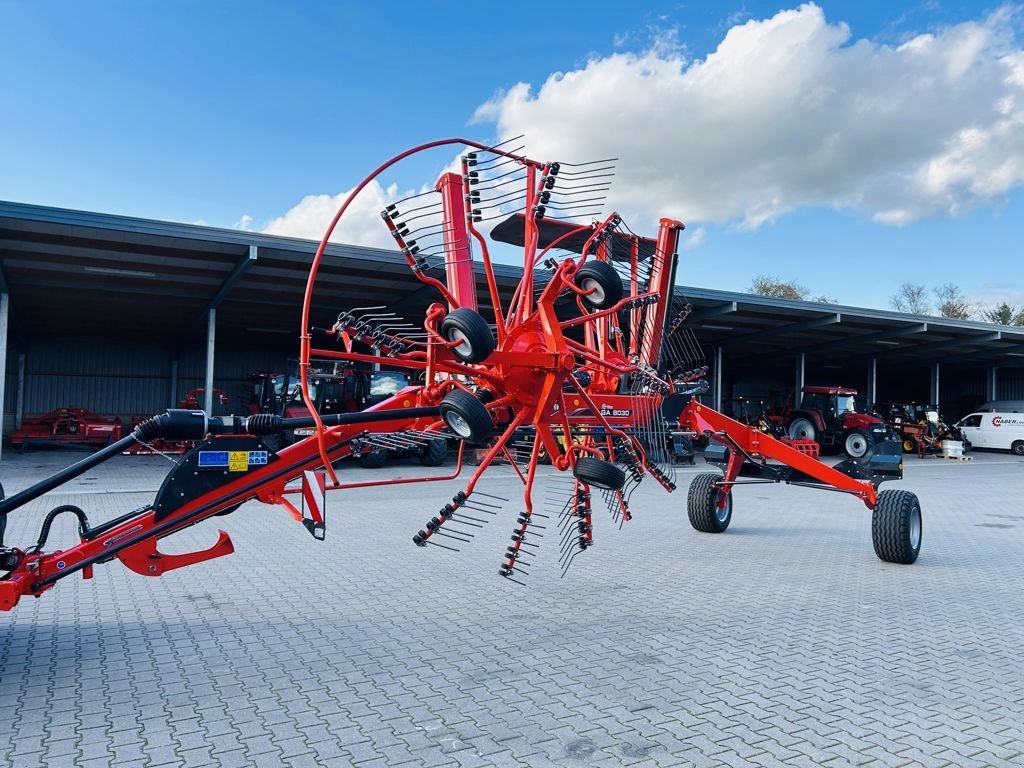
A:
{"points": [[700, 503], [599, 473], [604, 273], [476, 330], [890, 527], [473, 411], [374, 459], [434, 453]]}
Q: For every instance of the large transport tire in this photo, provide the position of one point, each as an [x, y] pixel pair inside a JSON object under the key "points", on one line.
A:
{"points": [[434, 453], [373, 459], [896, 527], [857, 444], [466, 416], [601, 278], [801, 428], [702, 504], [599, 473], [465, 325], [1018, 447]]}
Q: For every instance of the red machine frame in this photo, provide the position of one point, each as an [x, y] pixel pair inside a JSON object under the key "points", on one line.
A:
{"points": [[591, 388]]}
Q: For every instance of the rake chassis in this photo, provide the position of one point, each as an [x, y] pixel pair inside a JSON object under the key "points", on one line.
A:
{"points": [[589, 359]]}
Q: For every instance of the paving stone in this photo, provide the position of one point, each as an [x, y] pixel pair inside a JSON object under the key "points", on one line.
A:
{"points": [[782, 642]]}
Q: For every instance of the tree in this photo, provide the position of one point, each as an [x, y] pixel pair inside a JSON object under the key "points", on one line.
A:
{"points": [[952, 303], [1004, 314], [766, 285], [911, 298]]}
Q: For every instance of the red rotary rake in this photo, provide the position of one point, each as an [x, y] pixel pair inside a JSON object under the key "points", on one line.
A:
{"points": [[587, 363]]}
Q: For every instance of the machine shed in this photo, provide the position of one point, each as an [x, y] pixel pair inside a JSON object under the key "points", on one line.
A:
{"points": [[123, 316]]}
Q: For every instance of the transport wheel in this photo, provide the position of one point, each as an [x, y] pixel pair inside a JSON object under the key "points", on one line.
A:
{"points": [[466, 416], [599, 473], [1018, 447], [434, 453], [469, 328], [801, 428], [857, 444], [896, 527], [374, 459], [702, 506], [603, 280], [908, 446]]}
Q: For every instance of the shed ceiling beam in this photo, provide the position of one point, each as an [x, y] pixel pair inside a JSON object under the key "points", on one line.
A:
{"points": [[870, 338], [1004, 355], [944, 345], [782, 330], [708, 312], [103, 252], [230, 282]]}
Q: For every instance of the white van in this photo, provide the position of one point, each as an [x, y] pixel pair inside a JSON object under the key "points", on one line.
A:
{"points": [[995, 430]]}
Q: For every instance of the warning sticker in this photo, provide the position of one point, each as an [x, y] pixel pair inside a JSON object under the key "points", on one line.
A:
{"points": [[238, 461]]}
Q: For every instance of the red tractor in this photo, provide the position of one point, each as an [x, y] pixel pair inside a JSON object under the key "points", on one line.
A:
{"points": [[829, 416]]}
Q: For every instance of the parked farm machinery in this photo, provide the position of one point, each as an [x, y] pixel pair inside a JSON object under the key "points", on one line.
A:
{"points": [[590, 358]]}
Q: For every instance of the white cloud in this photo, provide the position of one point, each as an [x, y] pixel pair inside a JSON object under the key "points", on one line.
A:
{"points": [[244, 223], [361, 224], [790, 111], [691, 239]]}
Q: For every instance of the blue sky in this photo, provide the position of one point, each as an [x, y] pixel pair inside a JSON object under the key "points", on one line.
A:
{"points": [[213, 112]]}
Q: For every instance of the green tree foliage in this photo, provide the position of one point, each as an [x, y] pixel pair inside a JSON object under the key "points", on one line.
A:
{"points": [[1004, 314]]}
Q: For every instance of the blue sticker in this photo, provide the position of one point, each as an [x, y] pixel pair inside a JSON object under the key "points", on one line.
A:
{"points": [[213, 459], [257, 458], [61, 565]]}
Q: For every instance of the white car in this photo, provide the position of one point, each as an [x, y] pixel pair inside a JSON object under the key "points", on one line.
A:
{"points": [[995, 430]]}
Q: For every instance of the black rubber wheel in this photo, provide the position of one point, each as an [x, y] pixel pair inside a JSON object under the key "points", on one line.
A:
{"points": [[857, 444], [466, 325], [373, 459], [599, 473], [603, 280], [702, 504], [434, 453], [896, 527], [909, 446], [466, 416], [1018, 447]]}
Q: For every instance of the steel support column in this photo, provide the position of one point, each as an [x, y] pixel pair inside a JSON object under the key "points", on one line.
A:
{"points": [[211, 339], [801, 370], [4, 308], [933, 390], [872, 382], [718, 378], [173, 394], [992, 383]]}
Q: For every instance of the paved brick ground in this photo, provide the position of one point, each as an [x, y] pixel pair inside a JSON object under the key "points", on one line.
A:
{"points": [[782, 642]]}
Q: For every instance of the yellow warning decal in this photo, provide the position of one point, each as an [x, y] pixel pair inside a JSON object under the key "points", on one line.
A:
{"points": [[238, 461]]}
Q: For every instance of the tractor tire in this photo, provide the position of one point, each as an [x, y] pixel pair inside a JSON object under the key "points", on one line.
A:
{"points": [[702, 504], [374, 459], [466, 416], [434, 453], [1018, 447], [468, 327], [896, 527], [857, 444], [908, 446], [599, 473], [802, 428], [601, 278]]}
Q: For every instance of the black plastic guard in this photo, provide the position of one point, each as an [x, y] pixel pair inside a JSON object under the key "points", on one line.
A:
{"points": [[201, 470]]}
